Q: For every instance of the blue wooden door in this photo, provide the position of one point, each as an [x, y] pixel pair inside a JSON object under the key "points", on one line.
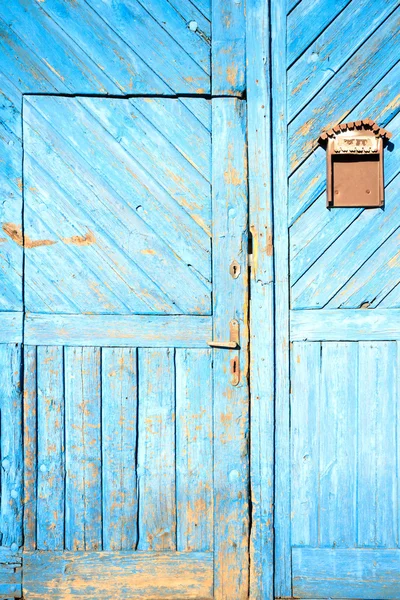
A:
{"points": [[121, 235], [337, 340], [124, 434]]}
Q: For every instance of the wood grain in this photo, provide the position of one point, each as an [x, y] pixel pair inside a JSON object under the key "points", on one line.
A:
{"points": [[150, 575]]}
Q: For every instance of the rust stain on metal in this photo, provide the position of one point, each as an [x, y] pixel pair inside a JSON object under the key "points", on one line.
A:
{"points": [[81, 240], [15, 233]]}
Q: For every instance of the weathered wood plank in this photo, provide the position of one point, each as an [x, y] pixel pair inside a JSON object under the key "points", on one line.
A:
{"points": [[307, 183], [371, 62], [83, 529], [373, 282], [327, 54], [308, 19], [30, 446], [10, 327], [10, 574], [158, 51], [149, 575], [318, 228], [179, 18], [348, 253], [50, 448], [11, 446], [228, 47], [261, 292], [305, 452], [118, 330], [118, 426], [349, 324], [156, 450], [377, 500], [117, 208], [231, 402], [346, 573], [282, 544], [194, 450], [336, 491]]}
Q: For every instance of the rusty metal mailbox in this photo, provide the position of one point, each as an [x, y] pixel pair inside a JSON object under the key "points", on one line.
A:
{"points": [[354, 155]]}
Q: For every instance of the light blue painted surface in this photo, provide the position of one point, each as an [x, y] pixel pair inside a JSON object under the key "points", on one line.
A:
{"points": [[336, 485]]}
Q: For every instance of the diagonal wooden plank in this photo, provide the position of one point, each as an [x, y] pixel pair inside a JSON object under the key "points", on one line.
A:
{"points": [[348, 253], [180, 127], [125, 232], [21, 66], [204, 6], [201, 111], [113, 280], [154, 46], [317, 228], [152, 204], [305, 23], [308, 181], [333, 104], [176, 175], [374, 280], [74, 270], [392, 300], [321, 61], [69, 67], [186, 25]]}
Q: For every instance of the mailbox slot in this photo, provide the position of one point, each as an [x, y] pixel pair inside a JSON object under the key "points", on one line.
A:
{"points": [[354, 154]]}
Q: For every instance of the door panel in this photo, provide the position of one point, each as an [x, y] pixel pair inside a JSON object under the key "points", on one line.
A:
{"points": [[337, 436], [135, 430]]}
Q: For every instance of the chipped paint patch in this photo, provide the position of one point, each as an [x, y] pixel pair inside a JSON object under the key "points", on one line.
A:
{"points": [[15, 233], [81, 240]]}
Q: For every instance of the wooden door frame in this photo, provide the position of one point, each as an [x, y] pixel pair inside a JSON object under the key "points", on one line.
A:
{"points": [[270, 569]]}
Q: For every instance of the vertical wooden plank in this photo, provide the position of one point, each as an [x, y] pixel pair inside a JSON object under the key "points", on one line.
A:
{"points": [[262, 301], [377, 426], [281, 268], [231, 408], [305, 431], [337, 504], [156, 450], [83, 529], [228, 49], [11, 450], [50, 449], [119, 419], [30, 447], [194, 450]]}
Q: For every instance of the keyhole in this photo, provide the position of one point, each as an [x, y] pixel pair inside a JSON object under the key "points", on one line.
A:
{"points": [[234, 269]]}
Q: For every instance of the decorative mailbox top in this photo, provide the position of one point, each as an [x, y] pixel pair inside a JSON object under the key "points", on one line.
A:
{"points": [[355, 164], [355, 137]]}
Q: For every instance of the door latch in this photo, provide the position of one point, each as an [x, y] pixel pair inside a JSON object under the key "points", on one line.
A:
{"points": [[233, 337]]}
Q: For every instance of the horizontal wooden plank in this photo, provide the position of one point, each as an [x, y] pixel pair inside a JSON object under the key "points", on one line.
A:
{"points": [[156, 331], [104, 575], [367, 573], [10, 327], [345, 324], [10, 574]]}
